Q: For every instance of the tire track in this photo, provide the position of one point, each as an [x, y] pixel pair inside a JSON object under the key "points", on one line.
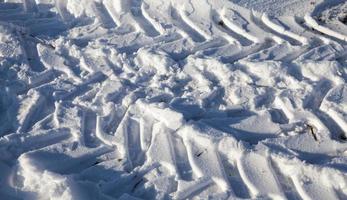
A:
{"points": [[14, 145], [103, 15], [242, 34], [281, 30], [204, 159], [306, 29], [142, 21], [89, 129], [187, 29], [276, 37], [286, 183], [184, 169], [156, 24], [239, 188], [332, 113], [244, 53], [312, 23], [28, 110], [247, 22], [259, 177], [117, 128], [185, 17], [310, 192], [113, 12]]}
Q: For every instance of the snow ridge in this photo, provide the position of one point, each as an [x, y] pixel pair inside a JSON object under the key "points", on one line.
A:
{"points": [[169, 100]]}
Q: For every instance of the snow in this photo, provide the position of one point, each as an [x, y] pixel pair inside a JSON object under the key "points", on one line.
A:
{"points": [[156, 99]]}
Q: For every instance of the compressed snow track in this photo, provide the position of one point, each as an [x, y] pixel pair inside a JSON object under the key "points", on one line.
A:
{"points": [[169, 100]]}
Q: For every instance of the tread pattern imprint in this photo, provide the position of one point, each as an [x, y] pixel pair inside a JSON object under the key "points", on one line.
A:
{"points": [[147, 99]]}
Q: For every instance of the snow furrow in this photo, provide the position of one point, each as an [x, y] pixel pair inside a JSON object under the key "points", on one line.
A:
{"points": [[110, 7], [282, 30], [143, 22], [103, 15], [312, 23], [259, 177], [185, 29], [155, 99], [238, 30], [155, 23], [185, 17]]}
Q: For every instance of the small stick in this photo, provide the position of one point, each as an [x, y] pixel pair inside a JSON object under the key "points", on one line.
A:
{"points": [[42, 41], [312, 132], [137, 184], [199, 154], [96, 162]]}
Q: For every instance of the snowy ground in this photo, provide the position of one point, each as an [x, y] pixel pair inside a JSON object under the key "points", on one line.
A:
{"points": [[160, 99]]}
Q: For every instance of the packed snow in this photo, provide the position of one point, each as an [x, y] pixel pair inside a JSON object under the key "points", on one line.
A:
{"points": [[173, 99]]}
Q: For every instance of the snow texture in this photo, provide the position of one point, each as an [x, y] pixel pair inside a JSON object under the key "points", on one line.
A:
{"points": [[173, 99]]}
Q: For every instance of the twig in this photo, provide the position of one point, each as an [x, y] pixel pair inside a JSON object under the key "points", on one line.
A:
{"points": [[200, 153], [136, 184], [43, 42], [96, 162], [312, 131]]}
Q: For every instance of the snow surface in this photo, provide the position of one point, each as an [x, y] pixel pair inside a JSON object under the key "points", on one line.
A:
{"points": [[173, 99]]}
